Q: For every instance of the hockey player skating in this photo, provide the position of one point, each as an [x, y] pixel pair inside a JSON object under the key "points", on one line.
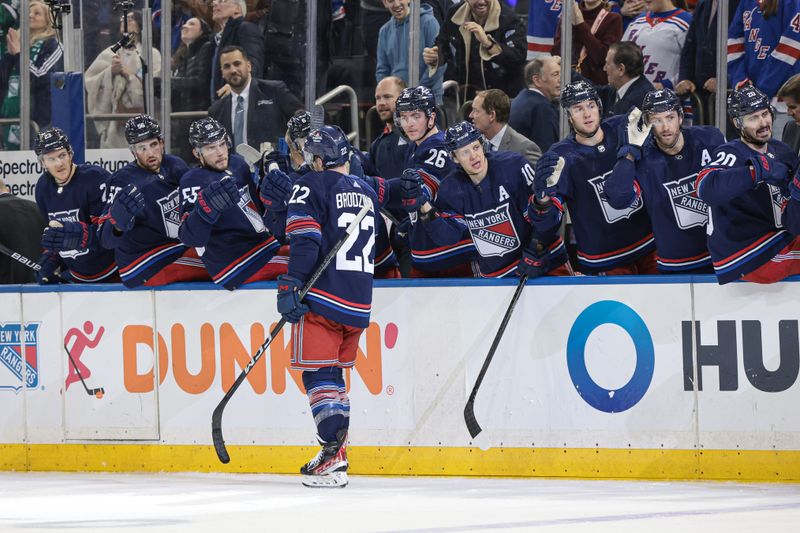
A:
{"points": [[487, 200], [142, 214], [574, 170], [661, 169], [221, 213], [327, 324], [415, 115], [745, 186], [71, 197]]}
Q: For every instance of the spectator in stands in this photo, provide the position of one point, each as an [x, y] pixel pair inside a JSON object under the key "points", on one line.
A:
{"points": [[9, 18], [790, 94], [483, 45], [387, 154], [534, 111], [284, 36], [764, 44], [661, 31], [114, 82], [630, 10], [490, 111], [262, 107], [594, 29], [234, 31], [191, 72], [46, 56], [627, 85], [393, 45], [698, 67], [21, 227]]}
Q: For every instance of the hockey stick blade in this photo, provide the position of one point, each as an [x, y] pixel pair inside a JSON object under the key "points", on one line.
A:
{"points": [[16, 256], [249, 154], [469, 410], [216, 416], [317, 117]]}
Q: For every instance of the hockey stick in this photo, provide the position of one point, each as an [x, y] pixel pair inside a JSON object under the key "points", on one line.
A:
{"points": [[216, 417], [98, 393], [20, 258], [469, 410], [317, 117], [249, 154]]}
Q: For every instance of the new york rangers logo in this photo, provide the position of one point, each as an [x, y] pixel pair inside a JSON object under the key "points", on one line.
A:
{"points": [[778, 201], [70, 215], [248, 207], [12, 359], [689, 210], [170, 213], [493, 231], [612, 215]]}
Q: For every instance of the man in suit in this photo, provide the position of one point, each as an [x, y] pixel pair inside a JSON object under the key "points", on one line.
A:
{"points": [[534, 111], [490, 111], [21, 227], [790, 94], [255, 111], [229, 15], [626, 85]]}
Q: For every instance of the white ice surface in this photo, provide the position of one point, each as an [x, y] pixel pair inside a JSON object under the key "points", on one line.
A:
{"points": [[199, 503]]}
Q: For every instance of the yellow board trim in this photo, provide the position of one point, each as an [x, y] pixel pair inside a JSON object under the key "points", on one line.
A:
{"points": [[599, 463]]}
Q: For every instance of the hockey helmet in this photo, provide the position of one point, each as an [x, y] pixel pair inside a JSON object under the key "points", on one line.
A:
{"points": [[660, 101], [49, 140], [141, 128], [299, 126], [330, 144], [206, 131], [415, 99], [462, 134], [746, 100], [578, 92]]}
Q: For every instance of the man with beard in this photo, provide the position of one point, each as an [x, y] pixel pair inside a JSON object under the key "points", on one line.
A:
{"points": [[388, 151], [220, 212], [255, 111], [663, 174], [142, 215], [745, 186], [609, 241]]}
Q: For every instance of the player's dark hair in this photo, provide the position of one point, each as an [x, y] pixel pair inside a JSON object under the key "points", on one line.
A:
{"points": [[629, 55]]}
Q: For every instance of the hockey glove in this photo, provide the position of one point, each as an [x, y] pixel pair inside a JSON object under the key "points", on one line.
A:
{"points": [[271, 161], [49, 263], [414, 194], [289, 304], [768, 170], [68, 236], [535, 260], [217, 197], [128, 203], [546, 175], [274, 190], [356, 168], [636, 133]]}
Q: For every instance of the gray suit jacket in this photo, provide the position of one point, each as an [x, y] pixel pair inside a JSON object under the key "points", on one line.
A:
{"points": [[514, 141]]}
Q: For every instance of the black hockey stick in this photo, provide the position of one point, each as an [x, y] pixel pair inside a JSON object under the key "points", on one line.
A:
{"points": [[469, 410], [20, 258], [216, 417], [98, 393]]}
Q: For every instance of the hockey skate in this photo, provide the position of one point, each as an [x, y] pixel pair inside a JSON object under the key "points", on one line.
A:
{"points": [[329, 467]]}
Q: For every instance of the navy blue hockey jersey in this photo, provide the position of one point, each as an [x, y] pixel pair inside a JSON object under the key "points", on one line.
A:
{"points": [[153, 242], [322, 205], [82, 199], [606, 238], [667, 185], [493, 213], [432, 157], [744, 224], [238, 244]]}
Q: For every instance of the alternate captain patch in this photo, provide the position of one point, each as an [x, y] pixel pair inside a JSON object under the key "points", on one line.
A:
{"points": [[493, 231], [11, 356], [689, 210]]}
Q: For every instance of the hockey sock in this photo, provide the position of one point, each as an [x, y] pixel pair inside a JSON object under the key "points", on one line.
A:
{"points": [[330, 405]]}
